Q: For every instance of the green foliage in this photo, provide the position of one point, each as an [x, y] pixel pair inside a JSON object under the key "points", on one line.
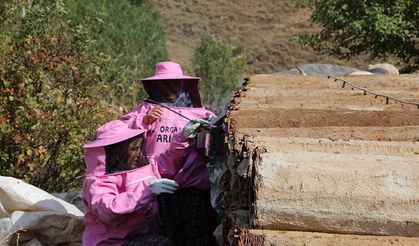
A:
{"points": [[52, 86], [352, 27], [130, 32], [63, 71], [221, 69]]}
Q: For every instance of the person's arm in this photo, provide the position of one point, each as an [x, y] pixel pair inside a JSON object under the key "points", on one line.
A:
{"points": [[174, 158], [110, 205], [181, 146], [142, 116]]}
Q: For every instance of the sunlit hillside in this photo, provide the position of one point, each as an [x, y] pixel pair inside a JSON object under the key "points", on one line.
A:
{"points": [[264, 29]]}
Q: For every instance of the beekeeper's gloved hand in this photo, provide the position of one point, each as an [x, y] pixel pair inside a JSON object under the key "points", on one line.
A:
{"points": [[158, 186], [191, 129]]}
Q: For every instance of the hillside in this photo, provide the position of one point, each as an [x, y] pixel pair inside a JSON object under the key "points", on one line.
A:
{"points": [[262, 28]]}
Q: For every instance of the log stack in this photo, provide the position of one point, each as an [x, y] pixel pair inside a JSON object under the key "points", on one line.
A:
{"points": [[318, 161]]}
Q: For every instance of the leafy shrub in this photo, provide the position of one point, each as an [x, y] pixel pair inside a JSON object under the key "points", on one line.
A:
{"points": [[129, 31], [380, 28], [52, 86], [221, 69]]}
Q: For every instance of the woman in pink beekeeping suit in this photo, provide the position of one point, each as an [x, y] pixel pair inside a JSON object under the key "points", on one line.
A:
{"points": [[173, 99], [121, 184]]}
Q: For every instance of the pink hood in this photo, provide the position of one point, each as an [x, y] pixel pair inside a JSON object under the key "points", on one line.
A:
{"points": [[95, 161], [190, 173]]}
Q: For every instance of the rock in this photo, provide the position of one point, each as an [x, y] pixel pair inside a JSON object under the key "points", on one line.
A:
{"points": [[383, 68], [74, 198]]}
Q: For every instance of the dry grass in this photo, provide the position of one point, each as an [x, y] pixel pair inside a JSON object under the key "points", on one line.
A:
{"points": [[262, 28]]}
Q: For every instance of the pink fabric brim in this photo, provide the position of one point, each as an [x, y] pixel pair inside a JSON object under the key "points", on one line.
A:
{"points": [[119, 138], [169, 77]]}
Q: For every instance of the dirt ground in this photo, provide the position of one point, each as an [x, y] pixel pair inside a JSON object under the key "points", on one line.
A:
{"points": [[265, 29]]}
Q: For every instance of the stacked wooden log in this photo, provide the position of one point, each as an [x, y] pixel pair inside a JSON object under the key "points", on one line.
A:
{"points": [[315, 162]]}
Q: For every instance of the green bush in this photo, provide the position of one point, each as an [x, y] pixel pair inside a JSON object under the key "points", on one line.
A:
{"points": [[380, 28], [130, 32], [221, 68], [64, 70], [52, 86]]}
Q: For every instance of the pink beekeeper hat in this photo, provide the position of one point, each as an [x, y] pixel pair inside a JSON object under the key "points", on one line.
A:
{"points": [[169, 71], [113, 132]]}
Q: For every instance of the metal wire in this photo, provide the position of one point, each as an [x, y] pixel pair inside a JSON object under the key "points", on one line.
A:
{"points": [[164, 106], [210, 127], [387, 97]]}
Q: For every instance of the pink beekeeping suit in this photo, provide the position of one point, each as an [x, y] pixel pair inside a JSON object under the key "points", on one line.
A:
{"points": [[193, 172], [119, 204]]}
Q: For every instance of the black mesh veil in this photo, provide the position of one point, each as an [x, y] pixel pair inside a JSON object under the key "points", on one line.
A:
{"points": [[177, 93]]}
